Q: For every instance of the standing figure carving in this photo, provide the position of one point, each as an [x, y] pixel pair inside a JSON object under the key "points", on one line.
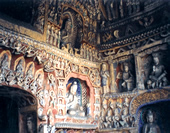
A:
{"points": [[157, 77], [105, 78], [150, 126], [66, 33]]}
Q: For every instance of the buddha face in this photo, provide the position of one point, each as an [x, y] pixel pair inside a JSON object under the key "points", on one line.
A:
{"points": [[74, 88], [150, 118], [104, 67], [126, 68], [156, 60]]}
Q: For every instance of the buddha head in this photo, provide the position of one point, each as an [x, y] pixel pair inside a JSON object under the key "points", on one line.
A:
{"points": [[73, 88], [149, 116]]}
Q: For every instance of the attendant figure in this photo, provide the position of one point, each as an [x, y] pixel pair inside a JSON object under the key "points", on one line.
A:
{"points": [[104, 82]]}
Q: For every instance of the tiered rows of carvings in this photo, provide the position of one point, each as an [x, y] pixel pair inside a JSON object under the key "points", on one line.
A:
{"points": [[115, 112], [44, 75]]}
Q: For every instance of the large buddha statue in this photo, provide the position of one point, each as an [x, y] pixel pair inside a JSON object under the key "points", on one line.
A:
{"points": [[150, 126], [73, 106]]}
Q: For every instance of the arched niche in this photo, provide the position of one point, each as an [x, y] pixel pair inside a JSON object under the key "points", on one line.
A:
{"points": [[160, 110], [18, 110], [87, 81]]}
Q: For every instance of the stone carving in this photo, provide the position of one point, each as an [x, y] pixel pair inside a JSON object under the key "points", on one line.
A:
{"points": [[52, 102], [40, 114], [103, 115], [104, 73], [52, 81], [41, 95], [4, 62], [157, 77], [128, 78], [66, 32], [48, 67], [10, 78], [116, 115], [30, 124], [73, 106], [150, 126]]}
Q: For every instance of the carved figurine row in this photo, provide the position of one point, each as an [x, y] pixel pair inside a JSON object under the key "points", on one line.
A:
{"points": [[90, 53], [53, 36], [14, 42], [50, 62], [116, 114]]}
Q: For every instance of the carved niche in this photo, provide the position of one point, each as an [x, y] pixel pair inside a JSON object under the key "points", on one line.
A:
{"points": [[155, 72], [125, 74], [77, 98]]}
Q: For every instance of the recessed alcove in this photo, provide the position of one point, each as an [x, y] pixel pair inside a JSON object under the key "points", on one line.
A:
{"points": [[161, 115], [17, 112]]}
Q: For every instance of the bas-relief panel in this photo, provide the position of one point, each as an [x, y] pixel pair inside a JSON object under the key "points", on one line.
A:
{"points": [[50, 89]]}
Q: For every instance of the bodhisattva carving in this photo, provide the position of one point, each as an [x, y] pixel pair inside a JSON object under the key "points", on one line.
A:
{"points": [[128, 78], [66, 33], [73, 106], [150, 126], [157, 77], [105, 77]]}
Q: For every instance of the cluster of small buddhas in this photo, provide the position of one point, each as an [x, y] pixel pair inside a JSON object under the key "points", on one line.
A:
{"points": [[90, 53], [115, 114], [53, 36]]}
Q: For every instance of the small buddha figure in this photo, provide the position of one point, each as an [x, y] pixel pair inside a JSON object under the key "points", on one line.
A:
{"points": [[128, 79], [74, 108], [109, 116], [150, 126], [158, 75], [30, 126], [116, 118], [125, 122]]}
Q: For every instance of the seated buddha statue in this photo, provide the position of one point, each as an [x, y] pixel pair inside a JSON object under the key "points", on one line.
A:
{"points": [[73, 106], [150, 126]]}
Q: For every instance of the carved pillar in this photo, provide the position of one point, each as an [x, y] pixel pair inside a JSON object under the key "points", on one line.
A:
{"points": [[113, 87], [139, 73]]}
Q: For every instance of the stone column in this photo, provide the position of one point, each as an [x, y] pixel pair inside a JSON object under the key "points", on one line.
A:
{"points": [[113, 87], [139, 72]]}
